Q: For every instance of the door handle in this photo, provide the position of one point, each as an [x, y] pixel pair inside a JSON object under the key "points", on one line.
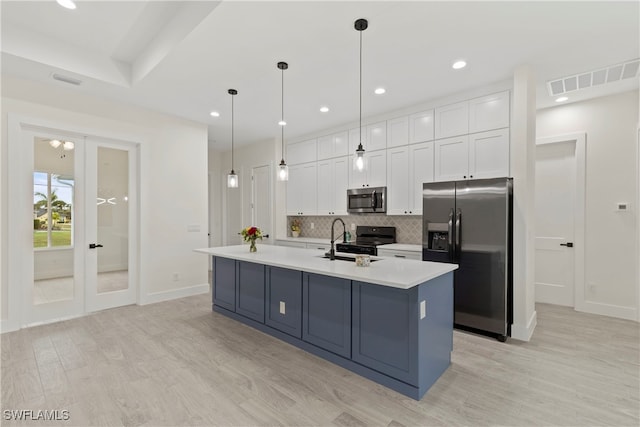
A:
{"points": [[95, 245], [458, 231], [266, 236], [450, 235], [568, 244], [374, 200]]}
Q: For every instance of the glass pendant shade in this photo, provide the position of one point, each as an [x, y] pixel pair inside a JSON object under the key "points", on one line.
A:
{"points": [[283, 171], [359, 161], [232, 180]]}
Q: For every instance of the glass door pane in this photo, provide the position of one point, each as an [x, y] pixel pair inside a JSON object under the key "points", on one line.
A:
{"points": [[53, 220], [113, 219]]}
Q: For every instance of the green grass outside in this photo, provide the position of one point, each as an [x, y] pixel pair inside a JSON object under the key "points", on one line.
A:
{"points": [[58, 238]]}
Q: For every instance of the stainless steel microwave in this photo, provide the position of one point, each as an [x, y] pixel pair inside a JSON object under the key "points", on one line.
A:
{"points": [[367, 200]]}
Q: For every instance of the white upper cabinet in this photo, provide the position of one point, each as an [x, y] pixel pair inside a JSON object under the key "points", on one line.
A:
{"points": [[452, 120], [374, 137], [332, 186], [375, 172], [489, 154], [398, 132], [302, 189], [335, 145], [301, 152], [452, 158], [489, 112], [408, 168], [325, 147], [421, 127]]}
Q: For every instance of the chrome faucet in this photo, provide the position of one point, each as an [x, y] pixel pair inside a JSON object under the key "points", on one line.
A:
{"points": [[332, 252]]}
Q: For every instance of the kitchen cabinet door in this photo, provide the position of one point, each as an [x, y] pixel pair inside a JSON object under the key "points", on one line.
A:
{"points": [[421, 170], [377, 169], [224, 283], [385, 330], [489, 154], [250, 290], [340, 144], [489, 112], [341, 166], [398, 132], [326, 313], [284, 300], [452, 158], [325, 187], [301, 152], [421, 127], [398, 181], [452, 120], [325, 147], [376, 136], [302, 189]]}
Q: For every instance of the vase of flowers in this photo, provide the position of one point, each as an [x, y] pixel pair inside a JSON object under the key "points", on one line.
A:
{"points": [[295, 228], [250, 234]]}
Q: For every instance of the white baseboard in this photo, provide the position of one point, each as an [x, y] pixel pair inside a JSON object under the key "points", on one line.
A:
{"points": [[8, 326], [618, 311], [175, 294], [522, 332]]}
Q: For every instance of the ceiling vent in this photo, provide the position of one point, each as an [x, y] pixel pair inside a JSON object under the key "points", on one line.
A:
{"points": [[611, 74], [67, 79]]}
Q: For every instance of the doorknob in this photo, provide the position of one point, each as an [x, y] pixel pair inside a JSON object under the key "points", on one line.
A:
{"points": [[266, 236], [95, 245], [568, 244]]}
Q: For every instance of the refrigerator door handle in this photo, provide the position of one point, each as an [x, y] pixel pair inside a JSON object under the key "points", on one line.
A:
{"points": [[450, 248], [458, 224]]}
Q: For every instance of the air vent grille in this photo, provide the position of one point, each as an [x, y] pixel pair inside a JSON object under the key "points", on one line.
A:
{"points": [[611, 74]]}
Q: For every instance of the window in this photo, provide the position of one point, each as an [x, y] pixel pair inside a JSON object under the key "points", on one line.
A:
{"points": [[52, 210]]}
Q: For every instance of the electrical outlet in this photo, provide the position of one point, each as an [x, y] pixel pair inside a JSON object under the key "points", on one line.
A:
{"points": [[313, 226], [353, 227], [176, 277], [282, 307], [423, 309]]}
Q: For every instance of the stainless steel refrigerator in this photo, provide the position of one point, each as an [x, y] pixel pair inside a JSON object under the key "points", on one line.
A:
{"points": [[470, 223]]}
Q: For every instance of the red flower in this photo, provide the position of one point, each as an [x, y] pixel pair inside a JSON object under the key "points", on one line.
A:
{"points": [[252, 231]]}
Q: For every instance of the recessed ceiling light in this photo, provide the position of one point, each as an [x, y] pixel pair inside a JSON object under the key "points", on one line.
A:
{"points": [[324, 109], [561, 99], [459, 64], [379, 91], [282, 123], [215, 114], [69, 4]]}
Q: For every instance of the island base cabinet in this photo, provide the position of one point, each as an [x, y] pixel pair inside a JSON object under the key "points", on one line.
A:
{"points": [[250, 290], [385, 330], [284, 300], [326, 313], [224, 283]]}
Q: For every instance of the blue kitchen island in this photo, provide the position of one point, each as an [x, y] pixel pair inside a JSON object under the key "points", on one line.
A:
{"points": [[391, 322]]}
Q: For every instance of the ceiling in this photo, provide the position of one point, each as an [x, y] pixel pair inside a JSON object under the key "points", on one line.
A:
{"points": [[181, 57]]}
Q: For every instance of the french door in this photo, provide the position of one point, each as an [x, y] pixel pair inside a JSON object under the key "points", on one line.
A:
{"points": [[77, 225]]}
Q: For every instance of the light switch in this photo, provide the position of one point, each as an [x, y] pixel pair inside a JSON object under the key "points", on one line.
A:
{"points": [[282, 308], [423, 309]]}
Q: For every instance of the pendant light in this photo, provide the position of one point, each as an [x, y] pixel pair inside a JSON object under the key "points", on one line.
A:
{"points": [[283, 169], [232, 178], [359, 163]]}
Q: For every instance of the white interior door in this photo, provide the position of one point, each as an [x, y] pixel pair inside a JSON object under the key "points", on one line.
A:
{"points": [[110, 226], [261, 201], [555, 202]]}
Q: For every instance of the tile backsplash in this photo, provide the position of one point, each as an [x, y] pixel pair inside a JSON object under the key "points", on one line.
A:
{"points": [[408, 228]]}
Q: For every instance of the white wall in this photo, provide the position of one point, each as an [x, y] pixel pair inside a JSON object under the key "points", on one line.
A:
{"points": [[173, 180], [611, 255]]}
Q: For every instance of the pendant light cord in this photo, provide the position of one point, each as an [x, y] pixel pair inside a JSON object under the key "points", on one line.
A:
{"points": [[232, 132], [360, 88], [282, 116]]}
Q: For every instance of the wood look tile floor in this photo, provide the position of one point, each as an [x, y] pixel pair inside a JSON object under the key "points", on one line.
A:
{"points": [[178, 363]]}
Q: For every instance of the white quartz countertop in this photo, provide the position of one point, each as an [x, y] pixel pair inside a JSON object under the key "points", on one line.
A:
{"points": [[392, 272], [401, 247]]}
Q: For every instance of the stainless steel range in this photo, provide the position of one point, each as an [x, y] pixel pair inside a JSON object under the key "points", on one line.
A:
{"points": [[367, 240]]}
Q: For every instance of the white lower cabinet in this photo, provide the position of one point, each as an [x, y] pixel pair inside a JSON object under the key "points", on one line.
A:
{"points": [[302, 189], [408, 168], [400, 254], [333, 181], [375, 173], [475, 156], [290, 244]]}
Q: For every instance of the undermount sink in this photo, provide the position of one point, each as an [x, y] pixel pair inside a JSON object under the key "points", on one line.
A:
{"points": [[345, 258]]}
